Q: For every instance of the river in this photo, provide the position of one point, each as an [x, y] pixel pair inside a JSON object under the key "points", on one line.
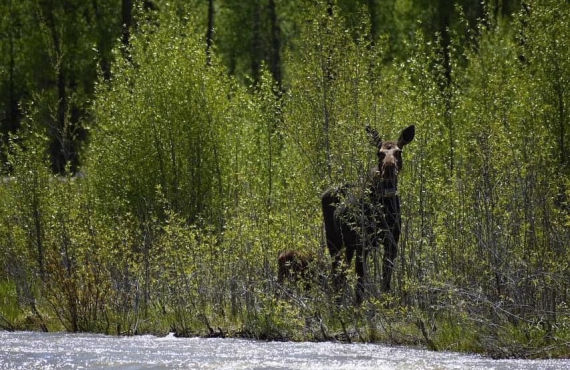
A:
{"points": [[32, 350]]}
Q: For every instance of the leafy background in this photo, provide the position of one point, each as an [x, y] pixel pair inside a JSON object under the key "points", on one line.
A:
{"points": [[157, 156]]}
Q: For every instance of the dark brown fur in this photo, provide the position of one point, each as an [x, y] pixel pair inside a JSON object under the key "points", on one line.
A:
{"points": [[294, 266], [359, 218]]}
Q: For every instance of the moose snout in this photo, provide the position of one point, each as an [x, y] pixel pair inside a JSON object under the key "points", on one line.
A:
{"points": [[389, 167], [390, 160], [389, 170]]}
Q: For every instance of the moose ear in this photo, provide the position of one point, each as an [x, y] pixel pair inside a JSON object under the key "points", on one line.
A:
{"points": [[374, 136], [407, 136]]}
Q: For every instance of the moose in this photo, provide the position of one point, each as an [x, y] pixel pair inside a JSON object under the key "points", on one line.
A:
{"points": [[294, 266], [360, 217]]}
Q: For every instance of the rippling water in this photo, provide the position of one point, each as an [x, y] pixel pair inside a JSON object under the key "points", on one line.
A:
{"points": [[30, 350]]}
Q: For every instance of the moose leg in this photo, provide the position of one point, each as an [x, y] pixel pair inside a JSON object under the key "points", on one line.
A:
{"points": [[389, 258], [337, 272], [388, 265], [333, 237], [353, 246], [361, 256]]}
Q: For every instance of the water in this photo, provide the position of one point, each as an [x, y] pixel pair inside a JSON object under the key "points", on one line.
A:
{"points": [[30, 350]]}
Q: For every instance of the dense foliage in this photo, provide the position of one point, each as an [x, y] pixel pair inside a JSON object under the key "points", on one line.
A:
{"points": [[157, 162]]}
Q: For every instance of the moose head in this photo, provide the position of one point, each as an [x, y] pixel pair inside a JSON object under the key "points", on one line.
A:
{"points": [[378, 220], [389, 153]]}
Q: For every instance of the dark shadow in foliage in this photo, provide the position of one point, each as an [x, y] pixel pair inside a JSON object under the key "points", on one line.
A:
{"points": [[358, 218]]}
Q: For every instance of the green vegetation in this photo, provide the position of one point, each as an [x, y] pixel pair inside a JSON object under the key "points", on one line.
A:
{"points": [[149, 181]]}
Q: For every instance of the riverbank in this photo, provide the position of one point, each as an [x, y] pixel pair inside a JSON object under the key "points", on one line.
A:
{"points": [[396, 326]]}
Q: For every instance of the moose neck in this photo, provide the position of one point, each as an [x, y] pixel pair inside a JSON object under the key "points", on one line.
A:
{"points": [[389, 187], [384, 189], [386, 197]]}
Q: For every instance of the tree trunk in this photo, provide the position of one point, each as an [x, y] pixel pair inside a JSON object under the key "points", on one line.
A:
{"points": [[210, 32], [58, 146], [104, 61], [327, 70], [256, 51], [10, 122], [373, 11], [13, 113], [445, 43], [127, 14], [275, 44]]}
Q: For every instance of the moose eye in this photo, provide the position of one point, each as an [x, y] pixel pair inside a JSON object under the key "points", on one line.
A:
{"points": [[381, 154]]}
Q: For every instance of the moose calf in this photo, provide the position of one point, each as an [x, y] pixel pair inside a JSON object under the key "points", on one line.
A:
{"points": [[294, 266]]}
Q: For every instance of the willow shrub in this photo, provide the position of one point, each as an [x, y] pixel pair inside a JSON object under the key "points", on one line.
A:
{"points": [[179, 145], [22, 256], [161, 124], [51, 248], [486, 239]]}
